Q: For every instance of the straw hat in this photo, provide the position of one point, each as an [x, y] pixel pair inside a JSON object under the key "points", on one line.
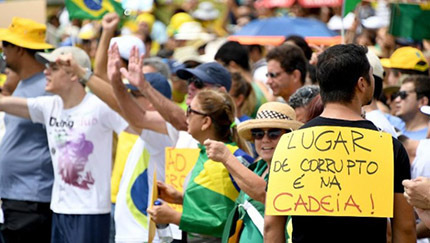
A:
{"points": [[270, 115], [26, 33]]}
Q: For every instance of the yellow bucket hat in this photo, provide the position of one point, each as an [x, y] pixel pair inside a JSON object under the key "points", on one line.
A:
{"points": [[26, 33]]}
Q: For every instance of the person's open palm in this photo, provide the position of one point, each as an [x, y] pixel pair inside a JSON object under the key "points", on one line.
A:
{"points": [[114, 64], [134, 73]]}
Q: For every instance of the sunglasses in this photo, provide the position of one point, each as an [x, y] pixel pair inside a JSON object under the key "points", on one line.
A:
{"points": [[272, 134], [198, 83], [401, 94], [52, 65], [189, 111], [273, 75]]}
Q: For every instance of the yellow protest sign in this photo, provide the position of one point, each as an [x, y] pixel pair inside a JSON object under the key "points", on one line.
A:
{"points": [[179, 163], [332, 171]]}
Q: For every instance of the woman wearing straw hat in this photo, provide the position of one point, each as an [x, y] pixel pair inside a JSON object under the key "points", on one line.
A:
{"points": [[272, 121]]}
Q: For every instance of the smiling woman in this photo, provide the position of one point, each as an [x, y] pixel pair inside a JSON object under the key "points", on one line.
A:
{"points": [[272, 121]]}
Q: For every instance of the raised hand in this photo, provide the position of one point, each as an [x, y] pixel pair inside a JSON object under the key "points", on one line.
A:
{"points": [[110, 22], [113, 64], [217, 151], [69, 65], [134, 73]]}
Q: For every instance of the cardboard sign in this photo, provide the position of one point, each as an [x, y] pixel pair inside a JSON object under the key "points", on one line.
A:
{"points": [[179, 163], [332, 171], [32, 9], [154, 196]]}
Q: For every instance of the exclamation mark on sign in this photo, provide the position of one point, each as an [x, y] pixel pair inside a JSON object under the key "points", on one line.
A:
{"points": [[373, 205]]}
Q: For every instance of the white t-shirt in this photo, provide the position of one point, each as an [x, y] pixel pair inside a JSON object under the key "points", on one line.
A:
{"points": [[421, 164], [131, 224], [80, 142], [381, 122], [181, 139]]}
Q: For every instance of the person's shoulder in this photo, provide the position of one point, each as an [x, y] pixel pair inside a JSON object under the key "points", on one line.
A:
{"points": [[324, 121]]}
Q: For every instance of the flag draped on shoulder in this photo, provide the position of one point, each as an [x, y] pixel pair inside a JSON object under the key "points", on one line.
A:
{"points": [[92, 9], [210, 195]]}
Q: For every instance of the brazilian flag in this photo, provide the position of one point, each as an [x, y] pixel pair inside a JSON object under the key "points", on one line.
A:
{"points": [[92, 9], [410, 20]]}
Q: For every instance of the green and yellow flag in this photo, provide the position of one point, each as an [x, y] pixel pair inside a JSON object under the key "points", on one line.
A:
{"points": [[410, 20], [92, 9], [210, 194]]}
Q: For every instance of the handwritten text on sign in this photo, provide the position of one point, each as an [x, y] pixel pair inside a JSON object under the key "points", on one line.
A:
{"points": [[179, 163], [336, 171]]}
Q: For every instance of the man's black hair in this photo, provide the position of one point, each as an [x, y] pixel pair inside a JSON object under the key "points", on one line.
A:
{"points": [[421, 84], [233, 51], [301, 42], [338, 71], [378, 87]]}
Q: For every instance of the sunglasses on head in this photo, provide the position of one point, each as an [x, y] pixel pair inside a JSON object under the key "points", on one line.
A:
{"points": [[273, 75], [401, 94], [198, 83], [272, 134]]}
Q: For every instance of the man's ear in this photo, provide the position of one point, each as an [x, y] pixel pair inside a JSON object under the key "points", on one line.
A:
{"points": [[297, 75], [74, 77], [423, 101], [362, 84]]}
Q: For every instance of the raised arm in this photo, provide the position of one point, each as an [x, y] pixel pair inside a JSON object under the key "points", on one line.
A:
{"points": [[109, 23], [247, 180], [169, 111], [16, 106], [101, 88], [132, 112]]}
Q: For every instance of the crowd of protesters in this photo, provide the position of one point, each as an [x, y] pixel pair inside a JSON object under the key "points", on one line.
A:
{"points": [[89, 107]]}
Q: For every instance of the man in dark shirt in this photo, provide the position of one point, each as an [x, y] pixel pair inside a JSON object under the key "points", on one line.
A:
{"points": [[347, 83]]}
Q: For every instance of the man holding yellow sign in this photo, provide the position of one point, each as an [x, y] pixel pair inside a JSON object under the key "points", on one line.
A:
{"points": [[338, 176]]}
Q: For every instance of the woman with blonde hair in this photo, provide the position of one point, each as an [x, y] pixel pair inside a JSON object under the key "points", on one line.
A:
{"points": [[210, 192]]}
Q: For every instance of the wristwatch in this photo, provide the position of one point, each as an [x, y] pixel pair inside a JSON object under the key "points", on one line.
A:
{"points": [[86, 76]]}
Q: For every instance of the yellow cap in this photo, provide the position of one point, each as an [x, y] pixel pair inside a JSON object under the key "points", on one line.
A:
{"points": [[176, 21], [26, 33], [407, 58], [147, 18]]}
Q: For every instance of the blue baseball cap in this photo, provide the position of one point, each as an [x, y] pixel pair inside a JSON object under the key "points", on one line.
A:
{"points": [[174, 66], [211, 73], [158, 82]]}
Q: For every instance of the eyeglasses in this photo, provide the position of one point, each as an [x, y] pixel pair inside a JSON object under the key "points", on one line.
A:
{"points": [[189, 111], [198, 83], [273, 75], [272, 134], [402, 94]]}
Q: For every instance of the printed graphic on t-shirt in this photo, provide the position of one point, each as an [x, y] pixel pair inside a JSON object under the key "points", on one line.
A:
{"points": [[74, 150]]}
